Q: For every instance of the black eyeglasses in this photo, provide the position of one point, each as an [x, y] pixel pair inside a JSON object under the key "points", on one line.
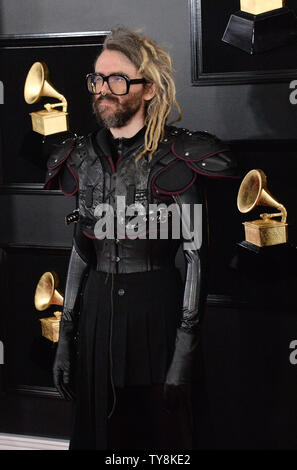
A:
{"points": [[118, 84]]}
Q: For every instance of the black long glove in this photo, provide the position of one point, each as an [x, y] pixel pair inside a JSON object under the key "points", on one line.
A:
{"points": [[65, 360], [177, 387], [63, 369]]}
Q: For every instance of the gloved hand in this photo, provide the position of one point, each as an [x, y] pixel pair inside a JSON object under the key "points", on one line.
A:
{"points": [[177, 387], [65, 359]]}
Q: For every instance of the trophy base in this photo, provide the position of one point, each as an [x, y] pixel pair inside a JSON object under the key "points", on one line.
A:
{"points": [[49, 122], [256, 7], [262, 233], [258, 33], [50, 327], [260, 250]]}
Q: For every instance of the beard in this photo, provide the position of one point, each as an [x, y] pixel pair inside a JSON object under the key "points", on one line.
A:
{"points": [[121, 113]]}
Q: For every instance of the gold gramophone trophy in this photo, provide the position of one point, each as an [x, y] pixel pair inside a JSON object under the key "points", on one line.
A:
{"points": [[49, 120], [47, 294], [261, 25], [265, 231]]}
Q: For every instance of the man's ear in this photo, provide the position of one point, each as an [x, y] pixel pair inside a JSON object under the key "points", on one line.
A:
{"points": [[150, 89]]}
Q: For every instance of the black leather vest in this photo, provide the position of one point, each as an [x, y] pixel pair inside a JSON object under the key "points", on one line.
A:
{"points": [[120, 185], [86, 167]]}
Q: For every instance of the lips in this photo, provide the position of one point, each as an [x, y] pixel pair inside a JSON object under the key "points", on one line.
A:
{"points": [[105, 102], [106, 99]]}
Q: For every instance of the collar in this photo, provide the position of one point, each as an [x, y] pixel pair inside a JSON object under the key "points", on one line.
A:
{"points": [[121, 146]]}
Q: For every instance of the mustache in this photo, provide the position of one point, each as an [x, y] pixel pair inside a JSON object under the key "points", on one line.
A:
{"points": [[106, 98]]}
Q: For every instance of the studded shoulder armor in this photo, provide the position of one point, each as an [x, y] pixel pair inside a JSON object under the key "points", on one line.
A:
{"points": [[64, 164], [192, 153]]}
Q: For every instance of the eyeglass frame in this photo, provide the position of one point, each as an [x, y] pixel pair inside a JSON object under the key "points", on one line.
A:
{"points": [[129, 81]]}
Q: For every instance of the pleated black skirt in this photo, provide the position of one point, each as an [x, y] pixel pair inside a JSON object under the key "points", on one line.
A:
{"points": [[126, 338]]}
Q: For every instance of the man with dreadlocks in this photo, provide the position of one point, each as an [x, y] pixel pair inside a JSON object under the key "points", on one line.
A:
{"points": [[139, 321]]}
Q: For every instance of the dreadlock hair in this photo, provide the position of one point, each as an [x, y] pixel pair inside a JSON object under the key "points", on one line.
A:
{"points": [[155, 65]]}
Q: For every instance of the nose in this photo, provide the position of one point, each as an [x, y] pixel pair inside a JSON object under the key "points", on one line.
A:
{"points": [[105, 89]]}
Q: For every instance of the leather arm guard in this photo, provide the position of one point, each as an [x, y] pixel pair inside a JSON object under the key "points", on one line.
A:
{"points": [[194, 156], [193, 218], [65, 355], [76, 269]]}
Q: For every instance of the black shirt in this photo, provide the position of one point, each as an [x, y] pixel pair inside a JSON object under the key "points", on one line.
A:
{"points": [[118, 145]]}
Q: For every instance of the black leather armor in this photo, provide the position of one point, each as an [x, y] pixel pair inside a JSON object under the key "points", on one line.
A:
{"points": [[85, 167]]}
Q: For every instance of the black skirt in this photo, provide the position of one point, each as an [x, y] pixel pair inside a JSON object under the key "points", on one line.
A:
{"points": [[126, 338]]}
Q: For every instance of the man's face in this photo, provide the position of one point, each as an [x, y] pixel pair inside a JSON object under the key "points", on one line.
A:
{"points": [[113, 111]]}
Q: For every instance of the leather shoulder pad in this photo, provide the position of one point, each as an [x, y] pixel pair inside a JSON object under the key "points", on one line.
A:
{"points": [[59, 153], [63, 163], [192, 146], [192, 153], [173, 178], [205, 154]]}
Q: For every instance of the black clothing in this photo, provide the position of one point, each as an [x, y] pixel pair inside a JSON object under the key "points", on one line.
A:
{"points": [[150, 426], [120, 145], [123, 342], [139, 324]]}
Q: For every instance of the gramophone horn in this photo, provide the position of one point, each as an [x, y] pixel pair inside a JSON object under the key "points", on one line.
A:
{"points": [[46, 292], [253, 192], [37, 85]]}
